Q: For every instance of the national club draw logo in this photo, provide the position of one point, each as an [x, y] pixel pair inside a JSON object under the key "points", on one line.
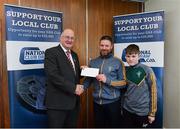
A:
{"points": [[145, 56], [31, 55]]}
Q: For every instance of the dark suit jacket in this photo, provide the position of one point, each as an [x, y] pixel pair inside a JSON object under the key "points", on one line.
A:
{"points": [[61, 79]]}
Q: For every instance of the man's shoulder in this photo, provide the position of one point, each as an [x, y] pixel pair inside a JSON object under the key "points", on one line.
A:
{"points": [[52, 49], [112, 59], [117, 58], [95, 59]]}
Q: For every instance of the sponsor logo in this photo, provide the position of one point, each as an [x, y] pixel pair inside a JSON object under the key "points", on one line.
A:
{"points": [[31, 55], [31, 90], [145, 56]]}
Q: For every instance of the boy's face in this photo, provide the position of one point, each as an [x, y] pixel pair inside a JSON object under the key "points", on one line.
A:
{"points": [[132, 59]]}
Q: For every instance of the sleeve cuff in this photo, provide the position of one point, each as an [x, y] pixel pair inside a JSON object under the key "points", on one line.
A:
{"points": [[108, 81], [152, 114]]}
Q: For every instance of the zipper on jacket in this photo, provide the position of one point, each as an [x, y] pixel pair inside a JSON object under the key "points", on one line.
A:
{"points": [[100, 83], [114, 93]]}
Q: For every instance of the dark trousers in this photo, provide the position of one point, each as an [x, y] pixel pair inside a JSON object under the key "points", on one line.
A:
{"points": [[63, 118], [107, 115], [131, 120]]}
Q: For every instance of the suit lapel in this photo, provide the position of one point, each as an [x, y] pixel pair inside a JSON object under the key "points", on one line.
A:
{"points": [[75, 62], [64, 57]]}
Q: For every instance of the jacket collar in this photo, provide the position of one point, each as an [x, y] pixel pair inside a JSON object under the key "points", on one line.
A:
{"points": [[107, 56]]}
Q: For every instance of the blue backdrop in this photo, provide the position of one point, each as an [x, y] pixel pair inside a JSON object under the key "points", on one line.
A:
{"points": [[29, 32], [147, 31]]}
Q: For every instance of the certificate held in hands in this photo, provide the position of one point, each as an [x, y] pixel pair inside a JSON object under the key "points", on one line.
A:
{"points": [[90, 72]]}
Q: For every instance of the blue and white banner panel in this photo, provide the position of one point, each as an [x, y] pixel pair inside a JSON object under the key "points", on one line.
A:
{"points": [[29, 32], [147, 31]]}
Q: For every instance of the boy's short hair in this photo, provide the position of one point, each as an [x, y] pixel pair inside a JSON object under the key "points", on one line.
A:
{"points": [[132, 49]]}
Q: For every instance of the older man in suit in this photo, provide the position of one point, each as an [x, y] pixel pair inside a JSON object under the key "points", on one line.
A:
{"points": [[63, 88]]}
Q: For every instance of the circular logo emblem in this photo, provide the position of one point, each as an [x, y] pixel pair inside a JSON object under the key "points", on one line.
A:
{"points": [[31, 89]]}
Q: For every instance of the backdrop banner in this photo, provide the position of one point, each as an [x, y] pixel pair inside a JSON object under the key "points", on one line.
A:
{"points": [[29, 32], [147, 31]]}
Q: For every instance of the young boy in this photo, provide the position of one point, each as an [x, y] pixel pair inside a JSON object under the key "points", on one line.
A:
{"points": [[140, 99]]}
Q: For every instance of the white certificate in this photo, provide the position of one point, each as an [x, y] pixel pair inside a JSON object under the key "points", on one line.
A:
{"points": [[90, 72]]}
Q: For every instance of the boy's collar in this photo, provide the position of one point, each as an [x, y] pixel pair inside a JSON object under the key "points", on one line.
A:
{"points": [[135, 65]]}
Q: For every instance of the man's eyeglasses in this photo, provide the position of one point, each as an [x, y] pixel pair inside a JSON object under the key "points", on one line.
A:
{"points": [[69, 38]]}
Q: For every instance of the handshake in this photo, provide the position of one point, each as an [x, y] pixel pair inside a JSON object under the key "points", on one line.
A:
{"points": [[79, 89]]}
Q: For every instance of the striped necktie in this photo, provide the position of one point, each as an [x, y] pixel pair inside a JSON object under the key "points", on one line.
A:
{"points": [[68, 53]]}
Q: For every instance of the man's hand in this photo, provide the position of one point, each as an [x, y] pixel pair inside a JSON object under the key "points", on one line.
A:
{"points": [[79, 89], [84, 66], [101, 77]]}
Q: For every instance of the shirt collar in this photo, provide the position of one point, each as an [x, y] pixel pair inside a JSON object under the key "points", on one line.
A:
{"points": [[64, 49]]}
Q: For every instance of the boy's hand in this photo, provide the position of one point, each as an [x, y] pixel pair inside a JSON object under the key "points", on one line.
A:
{"points": [[151, 119]]}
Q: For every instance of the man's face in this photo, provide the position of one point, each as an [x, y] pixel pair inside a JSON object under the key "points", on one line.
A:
{"points": [[105, 47], [67, 39], [132, 59]]}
